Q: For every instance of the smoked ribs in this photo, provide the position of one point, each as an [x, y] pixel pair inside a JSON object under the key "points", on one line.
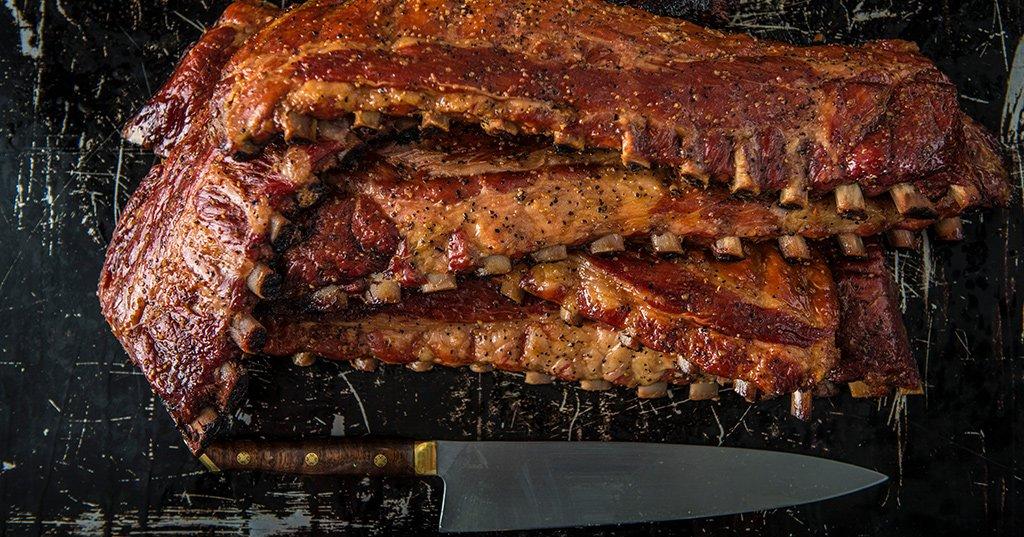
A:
{"points": [[566, 190]]}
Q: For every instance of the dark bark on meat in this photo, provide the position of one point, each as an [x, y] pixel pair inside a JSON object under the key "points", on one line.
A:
{"points": [[174, 282], [871, 335], [242, 209]]}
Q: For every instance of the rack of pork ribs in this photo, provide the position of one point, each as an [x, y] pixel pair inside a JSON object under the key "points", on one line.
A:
{"points": [[579, 192]]}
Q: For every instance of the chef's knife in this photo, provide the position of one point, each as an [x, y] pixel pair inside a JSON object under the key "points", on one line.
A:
{"points": [[492, 486]]}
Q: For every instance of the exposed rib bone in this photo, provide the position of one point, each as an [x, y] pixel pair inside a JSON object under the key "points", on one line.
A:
{"points": [[728, 248], [551, 253], [794, 194], [438, 282], [248, 333], [910, 202], [850, 201], [495, 264], [263, 281], [800, 405], [664, 243], [652, 391], [694, 175], [949, 229], [510, 288], [227, 370], [384, 292], [434, 120], [364, 364], [533, 377], [366, 118], [742, 183], [424, 354], [303, 359], [595, 385], [964, 195], [851, 245], [608, 243], [745, 390], [629, 341], [420, 367], [860, 389], [206, 417], [703, 391], [902, 238], [330, 298], [794, 248], [279, 227], [793, 197], [631, 155], [480, 367]]}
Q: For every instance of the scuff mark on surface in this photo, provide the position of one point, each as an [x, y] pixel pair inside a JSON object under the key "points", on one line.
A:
{"points": [[31, 34]]}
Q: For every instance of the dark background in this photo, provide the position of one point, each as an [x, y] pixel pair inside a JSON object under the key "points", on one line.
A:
{"points": [[85, 447]]}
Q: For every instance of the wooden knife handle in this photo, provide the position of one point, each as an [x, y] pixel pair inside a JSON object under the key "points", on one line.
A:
{"points": [[354, 457]]}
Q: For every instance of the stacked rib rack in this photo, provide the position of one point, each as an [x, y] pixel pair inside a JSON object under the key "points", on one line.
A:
{"points": [[568, 190]]}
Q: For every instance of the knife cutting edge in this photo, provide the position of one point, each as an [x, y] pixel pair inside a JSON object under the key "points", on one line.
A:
{"points": [[492, 486]]}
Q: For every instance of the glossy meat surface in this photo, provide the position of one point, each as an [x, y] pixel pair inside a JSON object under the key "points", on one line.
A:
{"points": [[761, 319], [587, 74], [473, 324], [174, 282], [228, 241], [448, 200]]}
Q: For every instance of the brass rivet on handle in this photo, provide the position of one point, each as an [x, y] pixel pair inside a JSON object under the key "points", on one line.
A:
{"points": [[243, 458], [379, 460], [312, 459]]}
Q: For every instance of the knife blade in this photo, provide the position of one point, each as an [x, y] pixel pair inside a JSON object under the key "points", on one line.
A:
{"points": [[492, 486]]}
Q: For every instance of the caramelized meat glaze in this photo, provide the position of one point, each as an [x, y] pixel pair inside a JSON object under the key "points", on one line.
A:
{"points": [[570, 191]]}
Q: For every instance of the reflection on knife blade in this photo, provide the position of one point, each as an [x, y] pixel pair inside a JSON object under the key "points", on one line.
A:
{"points": [[491, 486]]}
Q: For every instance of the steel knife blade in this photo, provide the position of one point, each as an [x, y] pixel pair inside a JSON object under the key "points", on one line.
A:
{"points": [[492, 486]]}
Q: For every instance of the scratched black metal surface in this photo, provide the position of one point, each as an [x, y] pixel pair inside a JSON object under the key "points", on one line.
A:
{"points": [[86, 449]]}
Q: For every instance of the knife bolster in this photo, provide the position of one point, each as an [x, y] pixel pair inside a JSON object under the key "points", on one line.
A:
{"points": [[425, 458], [356, 457]]}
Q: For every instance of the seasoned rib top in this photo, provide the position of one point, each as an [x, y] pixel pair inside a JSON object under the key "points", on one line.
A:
{"points": [[234, 211], [444, 202], [588, 74]]}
